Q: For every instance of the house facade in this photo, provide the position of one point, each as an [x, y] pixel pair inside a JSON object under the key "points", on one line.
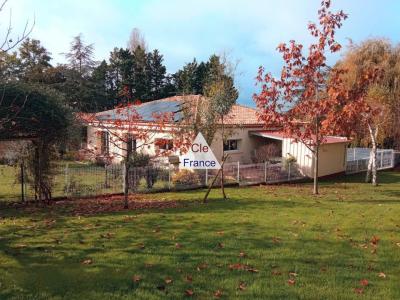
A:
{"points": [[245, 135]]}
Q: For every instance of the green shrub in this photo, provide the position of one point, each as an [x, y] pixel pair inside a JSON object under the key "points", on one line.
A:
{"points": [[138, 159]]}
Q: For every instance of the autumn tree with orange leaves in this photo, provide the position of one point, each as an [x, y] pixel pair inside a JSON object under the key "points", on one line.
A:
{"points": [[297, 101]]}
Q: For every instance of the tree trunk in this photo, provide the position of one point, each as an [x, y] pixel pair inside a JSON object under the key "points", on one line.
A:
{"points": [[316, 163], [316, 157], [372, 165], [215, 178], [126, 179], [223, 154], [316, 148], [369, 169], [126, 185]]}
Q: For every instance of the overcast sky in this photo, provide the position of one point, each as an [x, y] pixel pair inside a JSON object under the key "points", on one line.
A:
{"points": [[248, 30]]}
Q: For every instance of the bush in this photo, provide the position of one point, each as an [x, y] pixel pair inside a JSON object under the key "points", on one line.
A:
{"points": [[289, 160], [186, 177], [138, 159]]}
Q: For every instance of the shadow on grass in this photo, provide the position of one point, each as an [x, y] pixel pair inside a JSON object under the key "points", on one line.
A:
{"points": [[59, 271]]}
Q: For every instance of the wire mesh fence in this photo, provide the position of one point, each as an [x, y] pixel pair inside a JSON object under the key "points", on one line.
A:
{"points": [[358, 158], [76, 180]]}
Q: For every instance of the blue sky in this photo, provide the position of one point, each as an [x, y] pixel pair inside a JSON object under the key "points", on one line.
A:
{"points": [[248, 31]]}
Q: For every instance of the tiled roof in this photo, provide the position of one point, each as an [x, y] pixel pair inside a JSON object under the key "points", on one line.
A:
{"points": [[239, 115], [242, 115]]}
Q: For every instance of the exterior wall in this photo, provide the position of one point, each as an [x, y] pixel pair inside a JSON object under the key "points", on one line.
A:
{"points": [[332, 157], [116, 146], [246, 145], [302, 154]]}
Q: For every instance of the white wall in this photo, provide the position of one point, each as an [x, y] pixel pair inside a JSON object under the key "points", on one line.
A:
{"points": [[332, 157]]}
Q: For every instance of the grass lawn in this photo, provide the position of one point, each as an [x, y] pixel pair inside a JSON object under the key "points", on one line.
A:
{"points": [[275, 242]]}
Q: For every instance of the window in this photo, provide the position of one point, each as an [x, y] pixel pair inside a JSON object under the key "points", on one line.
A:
{"points": [[105, 143], [164, 144], [84, 137], [231, 145], [131, 143], [84, 132]]}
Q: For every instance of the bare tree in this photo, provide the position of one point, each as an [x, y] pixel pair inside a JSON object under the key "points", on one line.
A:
{"points": [[129, 133], [136, 39], [10, 112], [8, 41]]}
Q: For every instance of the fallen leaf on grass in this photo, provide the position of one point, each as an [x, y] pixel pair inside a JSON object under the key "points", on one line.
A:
{"points": [[252, 270], [242, 254], [375, 240], [220, 245], [202, 266], [189, 278], [218, 294], [189, 293], [141, 246], [292, 274], [168, 280], [243, 267], [87, 262], [382, 275], [178, 246], [364, 282], [291, 282], [242, 286], [136, 278]]}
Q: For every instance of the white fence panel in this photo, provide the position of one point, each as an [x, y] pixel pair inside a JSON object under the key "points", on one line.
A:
{"points": [[358, 158]]}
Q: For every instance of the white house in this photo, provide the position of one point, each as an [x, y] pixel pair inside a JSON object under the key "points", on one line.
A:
{"points": [[246, 135]]}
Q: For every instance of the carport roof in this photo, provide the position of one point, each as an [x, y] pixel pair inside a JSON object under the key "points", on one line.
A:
{"points": [[279, 135]]}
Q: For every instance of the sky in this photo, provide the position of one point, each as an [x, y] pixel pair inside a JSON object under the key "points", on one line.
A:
{"points": [[248, 31]]}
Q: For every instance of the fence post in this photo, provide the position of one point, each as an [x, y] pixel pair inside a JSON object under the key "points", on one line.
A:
{"points": [[238, 172], [381, 159], [354, 153], [169, 177], [66, 180], [22, 183], [265, 171], [289, 164], [206, 176], [393, 159], [123, 177]]}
